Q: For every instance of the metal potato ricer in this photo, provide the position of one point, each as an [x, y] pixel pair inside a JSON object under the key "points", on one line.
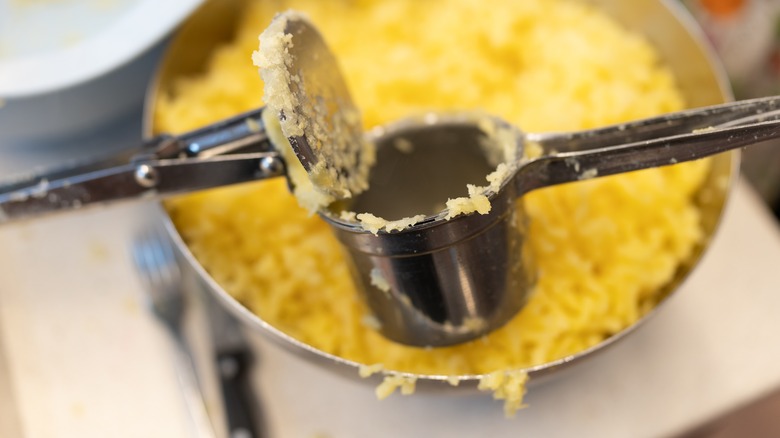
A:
{"points": [[439, 280]]}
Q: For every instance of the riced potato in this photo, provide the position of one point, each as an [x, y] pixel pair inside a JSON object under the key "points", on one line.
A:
{"points": [[604, 247]]}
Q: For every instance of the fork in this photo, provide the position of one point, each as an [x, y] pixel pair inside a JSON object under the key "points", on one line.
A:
{"points": [[156, 264]]}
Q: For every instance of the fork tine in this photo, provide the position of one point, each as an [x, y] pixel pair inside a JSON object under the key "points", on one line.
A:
{"points": [[144, 262], [168, 257], [156, 264]]}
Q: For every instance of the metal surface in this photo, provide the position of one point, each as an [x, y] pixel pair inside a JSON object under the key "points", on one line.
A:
{"points": [[231, 151], [156, 265], [700, 133], [443, 282], [332, 140], [448, 281], [665, 24]]}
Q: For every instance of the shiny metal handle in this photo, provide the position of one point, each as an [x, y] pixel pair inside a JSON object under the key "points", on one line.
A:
{"points": [[242, 133], [143, 180], [728, 114], [240, 405], [231, 151], [574, 166]]}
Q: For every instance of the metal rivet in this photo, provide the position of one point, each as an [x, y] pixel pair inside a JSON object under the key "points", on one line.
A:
{"points": [[146, 176], [193, 149], [270, 166]]}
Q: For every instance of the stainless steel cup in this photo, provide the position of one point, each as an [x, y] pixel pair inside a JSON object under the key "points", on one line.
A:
{"points": [[437, 282]]}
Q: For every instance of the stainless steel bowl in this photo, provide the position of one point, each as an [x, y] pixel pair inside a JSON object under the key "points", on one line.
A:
{"points": [[664, 22]]}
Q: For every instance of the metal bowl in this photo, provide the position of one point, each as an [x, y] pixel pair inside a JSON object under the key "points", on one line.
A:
{"points": [[664, 23]]}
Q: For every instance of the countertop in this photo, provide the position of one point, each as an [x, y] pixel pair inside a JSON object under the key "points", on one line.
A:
{"points": [[86, 359]]}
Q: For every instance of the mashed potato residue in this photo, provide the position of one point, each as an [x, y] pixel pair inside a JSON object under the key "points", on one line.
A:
{"points": [[342, 157], [604, 247]]}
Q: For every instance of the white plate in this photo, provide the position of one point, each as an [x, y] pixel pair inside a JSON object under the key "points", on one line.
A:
{"points": [[70, 67], [48, 45]]}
